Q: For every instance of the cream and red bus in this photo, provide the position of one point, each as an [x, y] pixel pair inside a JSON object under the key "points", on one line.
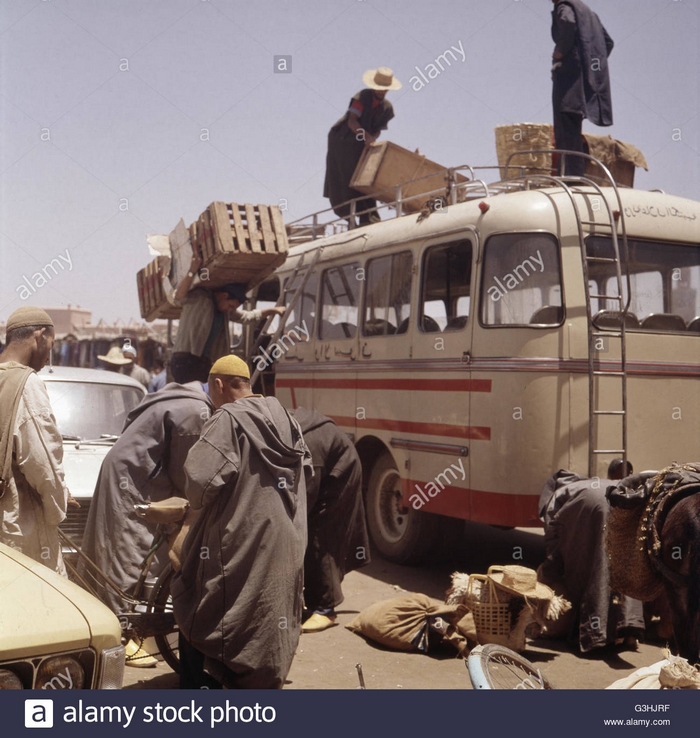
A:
{"points": [[473, 350]]}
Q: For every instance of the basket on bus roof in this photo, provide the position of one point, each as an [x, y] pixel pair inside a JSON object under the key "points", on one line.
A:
{"points": [[619, 157]]}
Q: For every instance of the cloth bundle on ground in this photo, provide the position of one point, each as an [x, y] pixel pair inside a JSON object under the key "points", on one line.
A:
{"points": [[673, 672], [508, 604], [414, 622]]}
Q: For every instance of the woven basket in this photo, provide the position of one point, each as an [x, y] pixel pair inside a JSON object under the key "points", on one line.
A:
{"points": [[490, 609], [631, 571], [524, 137]]}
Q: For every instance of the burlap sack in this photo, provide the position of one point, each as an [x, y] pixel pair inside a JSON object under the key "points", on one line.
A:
{"points": [[403, 623]]}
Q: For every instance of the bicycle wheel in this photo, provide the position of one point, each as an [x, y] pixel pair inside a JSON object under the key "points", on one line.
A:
{"points": [[160, 601], [497, 667]]}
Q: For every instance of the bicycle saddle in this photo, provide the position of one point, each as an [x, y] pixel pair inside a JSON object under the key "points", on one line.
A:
{"points": [[172, 510]]}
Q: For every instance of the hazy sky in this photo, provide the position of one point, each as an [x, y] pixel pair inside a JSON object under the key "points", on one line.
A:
{"points": [[106, 106]]}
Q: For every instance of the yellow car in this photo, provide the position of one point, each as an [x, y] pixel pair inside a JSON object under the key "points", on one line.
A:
{"points": [[54, 634]]}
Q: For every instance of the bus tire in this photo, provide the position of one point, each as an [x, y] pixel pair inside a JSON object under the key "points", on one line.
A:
{"points": [[400, 534]]}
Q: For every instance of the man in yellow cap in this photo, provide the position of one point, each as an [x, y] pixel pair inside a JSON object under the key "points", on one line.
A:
{"points": [[33, 494], [238, 595]]}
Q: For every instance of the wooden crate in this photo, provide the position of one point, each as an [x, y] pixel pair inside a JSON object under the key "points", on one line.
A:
{"points": [[152, 298], [239, 243], [385, 165]]}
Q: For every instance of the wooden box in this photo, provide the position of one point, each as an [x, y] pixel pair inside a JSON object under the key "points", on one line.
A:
{"points": [[385, 165], [239, 243], [152, 296]]}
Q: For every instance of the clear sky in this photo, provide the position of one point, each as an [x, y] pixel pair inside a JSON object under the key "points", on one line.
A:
{"points": [[119, 117]]}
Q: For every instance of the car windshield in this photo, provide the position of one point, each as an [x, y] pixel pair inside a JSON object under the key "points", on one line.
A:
{"points": [[88, 410]]}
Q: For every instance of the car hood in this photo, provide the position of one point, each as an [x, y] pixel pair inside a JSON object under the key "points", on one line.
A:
{"points": [[82, 465], [42, 612]]}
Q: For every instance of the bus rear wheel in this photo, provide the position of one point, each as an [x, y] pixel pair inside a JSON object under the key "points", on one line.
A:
{"points": [[400, 534]]}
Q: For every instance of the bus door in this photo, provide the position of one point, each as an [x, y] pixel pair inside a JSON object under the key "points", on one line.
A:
{"points": [[296, 364], [440, 384], [385, 350], [336, 349], [520, 350]]}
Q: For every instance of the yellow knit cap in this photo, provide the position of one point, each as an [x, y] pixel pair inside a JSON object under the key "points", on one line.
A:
{"points": [[230, 366]]}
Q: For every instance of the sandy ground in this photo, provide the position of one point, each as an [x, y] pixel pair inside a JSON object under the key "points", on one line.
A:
{"points": [[328, 660]]}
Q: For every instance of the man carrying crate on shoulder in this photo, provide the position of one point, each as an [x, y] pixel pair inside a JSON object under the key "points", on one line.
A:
{"points": [[202, 335]]}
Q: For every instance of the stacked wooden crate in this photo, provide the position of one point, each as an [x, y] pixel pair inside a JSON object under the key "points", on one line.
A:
{"points": [[237, 243], [153, 299]]}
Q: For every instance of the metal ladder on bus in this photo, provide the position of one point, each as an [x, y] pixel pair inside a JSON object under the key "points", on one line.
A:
{"points": [[596, 367], [302, 269]]}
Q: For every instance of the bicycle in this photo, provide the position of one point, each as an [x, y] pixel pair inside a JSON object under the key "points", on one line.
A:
{"points": [[149, 614], [496, 667]]}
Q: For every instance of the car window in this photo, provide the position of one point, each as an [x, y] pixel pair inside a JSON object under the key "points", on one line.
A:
{"points": [[89, 410]]}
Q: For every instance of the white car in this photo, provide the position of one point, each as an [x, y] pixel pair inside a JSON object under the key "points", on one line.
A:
{"points": [[90, 406], [54, 634]]}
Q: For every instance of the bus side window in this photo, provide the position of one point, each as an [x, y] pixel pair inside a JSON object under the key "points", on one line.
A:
{"points": [[521, 281], [388, 295], [445, 290], [340, 289], [304, 312]]}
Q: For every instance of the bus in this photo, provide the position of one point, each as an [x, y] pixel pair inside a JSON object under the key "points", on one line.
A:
{"points": [[473, 349]]}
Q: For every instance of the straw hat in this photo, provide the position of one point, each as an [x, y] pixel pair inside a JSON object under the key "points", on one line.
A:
{"points": [[381, 79], [115, 356], [521, 581]]}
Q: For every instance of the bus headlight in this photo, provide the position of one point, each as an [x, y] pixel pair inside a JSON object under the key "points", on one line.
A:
{"points": [[112, 668], [60, 672], [9, 680]]}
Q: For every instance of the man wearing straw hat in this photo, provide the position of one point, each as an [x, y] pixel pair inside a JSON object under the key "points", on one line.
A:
{"points": [[114, 360], [33, 494], [367, 116], [580, 79]]}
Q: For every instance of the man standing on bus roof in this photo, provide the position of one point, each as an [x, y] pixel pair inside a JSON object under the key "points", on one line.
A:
{"points": [[580, 79], [367, 116]]}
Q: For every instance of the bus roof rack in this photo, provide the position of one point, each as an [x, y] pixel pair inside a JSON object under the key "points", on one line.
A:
{"points": [[325, 222]]}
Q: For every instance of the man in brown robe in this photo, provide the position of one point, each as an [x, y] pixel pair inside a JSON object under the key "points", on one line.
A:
{"points": [[338, 540], [33, 494], [238, 596]]}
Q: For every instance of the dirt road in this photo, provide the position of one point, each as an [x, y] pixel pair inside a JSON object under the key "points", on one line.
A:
{"points": [[327, 660]]}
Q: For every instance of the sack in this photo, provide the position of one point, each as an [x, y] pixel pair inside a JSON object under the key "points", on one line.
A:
{"points": [[406, 623]]}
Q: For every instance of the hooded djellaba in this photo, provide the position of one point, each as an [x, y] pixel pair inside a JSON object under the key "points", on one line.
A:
{"points": [[338, 540], [144, 465], [238, 595]]}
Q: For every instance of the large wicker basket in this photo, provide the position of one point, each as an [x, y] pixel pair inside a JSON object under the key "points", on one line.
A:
{"points": [[490, 607], [524, 137]]}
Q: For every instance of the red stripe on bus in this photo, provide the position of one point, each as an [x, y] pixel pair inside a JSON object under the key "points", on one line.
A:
{"points": [[493, 508], [408, 385], [475, 433]]}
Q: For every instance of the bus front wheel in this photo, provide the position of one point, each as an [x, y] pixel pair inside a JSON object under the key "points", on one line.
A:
{"points": [[400, 534]]}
